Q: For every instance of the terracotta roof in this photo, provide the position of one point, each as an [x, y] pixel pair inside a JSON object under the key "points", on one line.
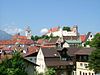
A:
{"points": [[7, 49], [1, 47], [19, 37], [54, 29], [7, 42], [12, 42], [41, 41], [25, 41], [84, 51], [50, 52], [58, 63], [82, 37], [31, 50]]}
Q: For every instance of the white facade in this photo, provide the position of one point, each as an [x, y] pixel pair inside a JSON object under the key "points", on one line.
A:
{"points": [[61, 33], [81, 69], [40, 61], [56, 33], [66, 33]]}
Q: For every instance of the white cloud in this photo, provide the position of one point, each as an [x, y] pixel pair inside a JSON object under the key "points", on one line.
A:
{"points": [[44, 30], [11, 29]]}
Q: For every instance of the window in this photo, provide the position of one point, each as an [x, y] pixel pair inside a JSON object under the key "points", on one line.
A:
{"points": [[80, 73], [89, 73], [86, 65], [83, 73], [92, 73], [81, 64], [90, 35]]}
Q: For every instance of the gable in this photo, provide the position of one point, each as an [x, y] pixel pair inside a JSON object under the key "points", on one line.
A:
{"points": [[40, 54]]}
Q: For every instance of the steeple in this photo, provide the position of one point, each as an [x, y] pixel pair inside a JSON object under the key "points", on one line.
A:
{"points": [[28, 32]]}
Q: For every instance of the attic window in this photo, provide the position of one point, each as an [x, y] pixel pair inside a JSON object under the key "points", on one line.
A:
{"points": [[90, 35]]}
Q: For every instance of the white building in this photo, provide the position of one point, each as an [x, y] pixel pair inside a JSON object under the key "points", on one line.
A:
{"points": [[40, 61], [57, 31], [82, 57]]}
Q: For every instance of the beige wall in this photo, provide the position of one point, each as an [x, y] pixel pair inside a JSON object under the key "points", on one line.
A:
{"points": [[82, 67], [40, 61]]}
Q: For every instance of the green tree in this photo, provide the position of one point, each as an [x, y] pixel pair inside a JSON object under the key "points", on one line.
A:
{"points": [[35, 38], [94, 58], [45, 37], [13, 66], [96, 41], [66, 28], [87, 43], [50, 71]]}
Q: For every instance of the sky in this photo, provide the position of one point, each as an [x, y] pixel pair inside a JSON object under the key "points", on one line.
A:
{"points": [[16, 15]]}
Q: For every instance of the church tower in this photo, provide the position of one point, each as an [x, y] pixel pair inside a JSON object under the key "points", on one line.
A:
{"points": [[75, 29], [28, 32]]}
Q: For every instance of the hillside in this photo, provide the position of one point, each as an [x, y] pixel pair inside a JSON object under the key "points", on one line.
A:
{"points": [[4, 35]]}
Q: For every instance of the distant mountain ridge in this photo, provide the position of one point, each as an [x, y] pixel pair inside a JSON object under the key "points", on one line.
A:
{"points": [[4, 35]]}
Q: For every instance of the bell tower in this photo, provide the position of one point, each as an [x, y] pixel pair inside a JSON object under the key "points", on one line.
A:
{"points": [[28, 32]]}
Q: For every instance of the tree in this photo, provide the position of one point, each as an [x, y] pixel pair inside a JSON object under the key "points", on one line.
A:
{"points": [[96, 41], [45, 37], [50, 71], [94, 58], [13, 66], [35, 38], [66, 28], [87, 43]]}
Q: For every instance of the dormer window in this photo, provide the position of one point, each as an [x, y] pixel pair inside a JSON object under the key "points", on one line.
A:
{"points": [[90, 35]]}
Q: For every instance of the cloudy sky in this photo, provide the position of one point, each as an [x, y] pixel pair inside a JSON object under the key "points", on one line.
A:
{"points": [[41, 15]]}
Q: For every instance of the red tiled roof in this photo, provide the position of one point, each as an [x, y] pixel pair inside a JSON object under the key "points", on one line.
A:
{"points": [[40, 41], [31, 50], [7, 49], [12, 42], [25, 41], [82, 37], [7, 42], [1, 47], [19, 37], [53, 29]]}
